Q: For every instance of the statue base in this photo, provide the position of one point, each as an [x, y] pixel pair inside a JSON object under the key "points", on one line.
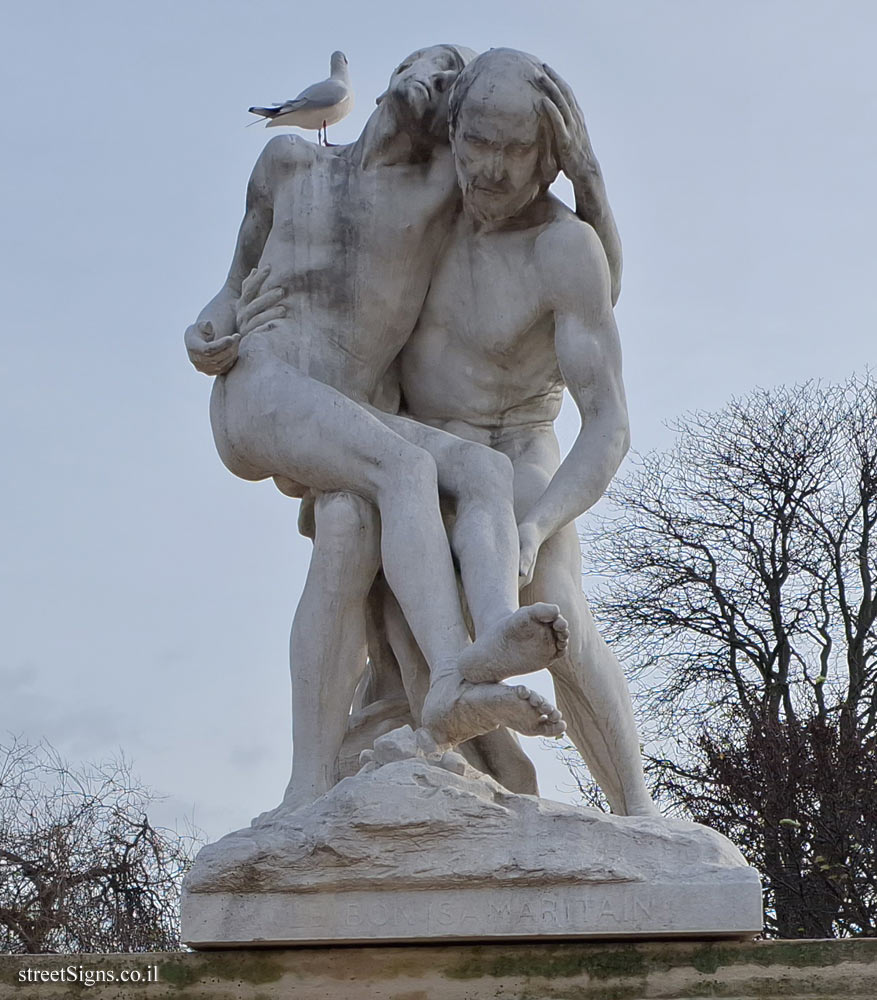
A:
{"points": [[422, 847], [843, 969]]}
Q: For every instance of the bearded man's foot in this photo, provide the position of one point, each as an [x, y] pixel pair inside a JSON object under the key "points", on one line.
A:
{"points": [[293, 800], [645, 807], [524, 641], [455, 711]]}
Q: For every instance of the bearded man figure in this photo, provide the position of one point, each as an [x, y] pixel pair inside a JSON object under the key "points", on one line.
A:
{"points": [[519, 309]]}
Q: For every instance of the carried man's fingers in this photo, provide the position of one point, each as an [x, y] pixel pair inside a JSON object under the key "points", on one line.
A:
{"points": [[209, 355], [558, 125], [217, 357], [564, 100], [556, 97], [218, 363], [203, 331], [199, 337], [564, 89], [222, 346]]}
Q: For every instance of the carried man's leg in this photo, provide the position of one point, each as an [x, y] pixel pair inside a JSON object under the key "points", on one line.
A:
{"points": [[286, 424], [328, 646], [484, 538]]}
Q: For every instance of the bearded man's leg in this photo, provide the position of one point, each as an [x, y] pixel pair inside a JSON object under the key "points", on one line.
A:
{"points": [[591, 689]]}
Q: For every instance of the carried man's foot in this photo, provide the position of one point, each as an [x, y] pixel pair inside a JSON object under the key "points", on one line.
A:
{"points": [[455, 710], [524, 641]]}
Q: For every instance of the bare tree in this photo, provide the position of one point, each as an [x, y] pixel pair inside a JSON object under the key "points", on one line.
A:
{"points": [[82, 869], [738, 582]]}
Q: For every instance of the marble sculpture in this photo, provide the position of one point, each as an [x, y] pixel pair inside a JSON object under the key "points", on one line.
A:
{"points": [[392, 344]]}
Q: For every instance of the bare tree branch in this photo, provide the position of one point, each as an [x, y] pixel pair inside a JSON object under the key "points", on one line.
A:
{"points": [[738, 584], [82, 869]]}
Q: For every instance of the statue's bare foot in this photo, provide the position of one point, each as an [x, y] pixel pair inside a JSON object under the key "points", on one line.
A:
{"points": [[455, 710], [527, 640], [644, 809]]}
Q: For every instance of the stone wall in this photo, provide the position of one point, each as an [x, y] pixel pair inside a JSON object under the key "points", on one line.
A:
{"points": [[829, 970]]}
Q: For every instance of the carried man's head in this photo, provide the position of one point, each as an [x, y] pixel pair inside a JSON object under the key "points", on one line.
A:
{"points": [[419, 87], [501, 136]]}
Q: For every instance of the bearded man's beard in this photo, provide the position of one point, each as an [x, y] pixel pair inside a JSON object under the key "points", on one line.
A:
{"points": [[485, 208]]}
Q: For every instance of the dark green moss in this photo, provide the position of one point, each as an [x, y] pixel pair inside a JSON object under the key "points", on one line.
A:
{"points": [[558, 961], [180, 973], [802, 954], [628, 991], [632, 963], [255, 968], [710, 959]]}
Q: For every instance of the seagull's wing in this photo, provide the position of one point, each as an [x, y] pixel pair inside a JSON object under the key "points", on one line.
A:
{"points": [[325, 94], [318, 97]]}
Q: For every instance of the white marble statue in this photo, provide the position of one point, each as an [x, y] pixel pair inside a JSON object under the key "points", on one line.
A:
{"points": [[330, 275], [392, 344], [351, 236]]}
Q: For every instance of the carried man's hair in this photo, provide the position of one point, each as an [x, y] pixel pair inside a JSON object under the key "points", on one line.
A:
{"points": [[525, 72]]}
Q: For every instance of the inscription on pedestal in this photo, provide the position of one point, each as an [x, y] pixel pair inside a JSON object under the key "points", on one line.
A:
{"points": [[538, 914], [614, 910]]}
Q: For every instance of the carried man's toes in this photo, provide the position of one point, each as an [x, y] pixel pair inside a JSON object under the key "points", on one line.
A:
{"points": [[524, 641], [455, 711], [550, 722]]}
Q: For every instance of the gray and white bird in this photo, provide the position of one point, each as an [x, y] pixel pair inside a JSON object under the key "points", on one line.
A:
{"points": [[317, 106]]}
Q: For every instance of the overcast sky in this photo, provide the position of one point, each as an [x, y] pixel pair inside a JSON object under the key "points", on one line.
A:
{"points": [[147, 593]]}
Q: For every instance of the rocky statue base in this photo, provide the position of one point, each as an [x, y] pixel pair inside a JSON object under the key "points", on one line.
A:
{"points": [[420, 846]]}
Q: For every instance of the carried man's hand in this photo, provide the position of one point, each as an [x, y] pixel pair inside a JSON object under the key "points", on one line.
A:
{"points": [[210, 354], [577, 160], [573, 144], [255, 310]]}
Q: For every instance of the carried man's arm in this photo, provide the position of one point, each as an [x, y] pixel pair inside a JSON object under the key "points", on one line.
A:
{"points": [[589, 357], [212, 340], [578, 162]]}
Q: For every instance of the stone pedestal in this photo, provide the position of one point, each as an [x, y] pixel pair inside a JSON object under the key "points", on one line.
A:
{"points": [[581, 970], [425, 848]]}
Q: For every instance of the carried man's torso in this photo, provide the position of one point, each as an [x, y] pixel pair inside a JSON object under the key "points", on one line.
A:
{"points": [[354, 249]]}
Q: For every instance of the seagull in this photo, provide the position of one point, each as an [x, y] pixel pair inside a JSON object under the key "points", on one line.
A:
{"points": [[317, 106]]}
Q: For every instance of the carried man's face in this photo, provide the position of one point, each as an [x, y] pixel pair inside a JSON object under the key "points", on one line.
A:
{"points": [[419, 88], [497, 149]]}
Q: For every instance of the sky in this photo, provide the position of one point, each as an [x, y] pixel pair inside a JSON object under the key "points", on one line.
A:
{"points": [[147, 593]]}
